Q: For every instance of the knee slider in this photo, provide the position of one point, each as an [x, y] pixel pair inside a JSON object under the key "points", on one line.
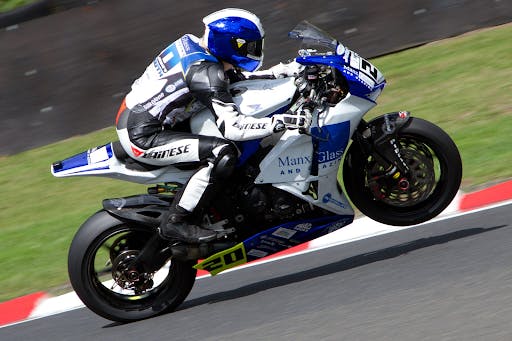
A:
{"points": [[225, 162]]}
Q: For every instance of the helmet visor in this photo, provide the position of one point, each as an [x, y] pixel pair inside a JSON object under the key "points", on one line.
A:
{"points": [[252, 49]]}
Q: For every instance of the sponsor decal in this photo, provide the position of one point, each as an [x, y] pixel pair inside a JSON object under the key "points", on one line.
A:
{"points": [[331, 148], [240, 42], [167, 152], [328, 156], [288, 162], [153, 101], [159, 66], [175, 83], [339, 224], [284, 233], [186, 43], [257, 253], [397, 152], [294, 161], [291, 171], [170, 88], [388, 126], [179, 45], [137, 152], [304, 227], [329, 199], [271, 241], [250, 126]]}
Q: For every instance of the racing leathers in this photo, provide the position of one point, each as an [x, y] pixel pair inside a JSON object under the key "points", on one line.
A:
{"points": [[182, 80]]}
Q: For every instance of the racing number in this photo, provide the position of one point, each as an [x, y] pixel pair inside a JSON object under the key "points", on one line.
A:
{"points": [[369, 68], [234, 256], [224, 260]]}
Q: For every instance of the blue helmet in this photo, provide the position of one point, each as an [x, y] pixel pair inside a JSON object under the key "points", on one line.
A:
{"points": [[235, 36]]}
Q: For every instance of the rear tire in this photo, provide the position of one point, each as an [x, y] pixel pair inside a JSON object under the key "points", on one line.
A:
{"points": [[437, 171], [98, 257]]}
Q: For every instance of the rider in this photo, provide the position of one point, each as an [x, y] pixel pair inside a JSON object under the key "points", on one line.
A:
{"points": [[187, 76]]}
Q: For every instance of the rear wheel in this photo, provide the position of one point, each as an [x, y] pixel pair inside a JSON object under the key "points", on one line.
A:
{"points": [[429, 187], [101, 272]]}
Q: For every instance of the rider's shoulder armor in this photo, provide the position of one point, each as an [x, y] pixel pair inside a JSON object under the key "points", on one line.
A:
{"points": [[163, 82], [206, 76], [192, 53]]}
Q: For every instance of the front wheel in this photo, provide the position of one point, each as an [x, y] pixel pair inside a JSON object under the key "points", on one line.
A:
{"points": [[100, 269], [435, 172]]}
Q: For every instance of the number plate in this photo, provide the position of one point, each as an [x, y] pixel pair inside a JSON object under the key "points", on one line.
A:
{"points": [[224, 260]]}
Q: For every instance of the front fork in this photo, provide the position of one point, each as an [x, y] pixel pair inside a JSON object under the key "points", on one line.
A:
{"points": [[379, 139]]}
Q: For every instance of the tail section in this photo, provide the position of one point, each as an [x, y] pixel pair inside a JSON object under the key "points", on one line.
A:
{"points": [[95, 161], [102, 161]]}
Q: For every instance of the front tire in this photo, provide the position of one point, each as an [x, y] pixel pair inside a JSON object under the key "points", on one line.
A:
{"points": [[433, 182], [98, 262]]}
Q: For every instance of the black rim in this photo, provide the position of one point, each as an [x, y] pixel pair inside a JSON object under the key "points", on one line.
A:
{"points": [[112, 276]]}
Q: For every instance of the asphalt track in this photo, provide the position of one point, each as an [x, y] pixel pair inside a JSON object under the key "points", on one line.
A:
{"points": [[447, 280]]}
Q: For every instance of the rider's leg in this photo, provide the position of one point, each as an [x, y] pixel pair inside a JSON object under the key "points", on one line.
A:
{"points": [[199, 191], [144, 140]]}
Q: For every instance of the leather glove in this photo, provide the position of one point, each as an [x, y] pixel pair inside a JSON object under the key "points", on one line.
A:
{"points": [[291, 69], [277, 124], [290, 120]]}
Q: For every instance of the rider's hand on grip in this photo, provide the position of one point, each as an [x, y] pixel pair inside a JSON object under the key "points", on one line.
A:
{"points": [[290, 120], [291, 69], [277, 124]]}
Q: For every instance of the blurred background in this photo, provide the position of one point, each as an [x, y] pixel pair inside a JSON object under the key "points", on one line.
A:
{"points": [[65, 65]]}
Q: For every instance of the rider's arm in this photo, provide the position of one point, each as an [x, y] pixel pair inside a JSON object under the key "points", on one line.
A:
{"points": [[208, 84], [280, 70]]}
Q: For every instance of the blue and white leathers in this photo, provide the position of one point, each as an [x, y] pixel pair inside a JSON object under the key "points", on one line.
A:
{"points": [[288, 165], [305, 165], [164, 82], [181, 80]]}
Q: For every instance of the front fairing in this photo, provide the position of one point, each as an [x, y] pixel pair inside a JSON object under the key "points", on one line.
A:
{"points": [[318, 47]]}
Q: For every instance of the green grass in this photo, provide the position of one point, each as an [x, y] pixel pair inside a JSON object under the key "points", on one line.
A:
{"points": [[7, 5], [465, 86], [462, 84]]}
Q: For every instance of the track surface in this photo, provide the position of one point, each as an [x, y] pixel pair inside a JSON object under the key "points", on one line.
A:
{"points": [[448, 280]]}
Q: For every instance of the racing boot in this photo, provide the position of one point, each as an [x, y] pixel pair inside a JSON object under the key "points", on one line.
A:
{"points": [[175, 228]]}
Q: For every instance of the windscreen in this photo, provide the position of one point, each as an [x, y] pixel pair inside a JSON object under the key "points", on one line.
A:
{"points": [[313, 37]]}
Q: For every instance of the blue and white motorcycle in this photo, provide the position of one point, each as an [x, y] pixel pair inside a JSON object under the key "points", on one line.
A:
{"points": [[396, 169]]}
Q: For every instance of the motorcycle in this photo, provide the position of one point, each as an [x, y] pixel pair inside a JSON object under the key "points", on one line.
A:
{"points": [[396, 169]]}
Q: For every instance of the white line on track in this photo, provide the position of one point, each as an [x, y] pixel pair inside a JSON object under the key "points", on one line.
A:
{"points": [[370, 228], [362, 228], [419, 11]]}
